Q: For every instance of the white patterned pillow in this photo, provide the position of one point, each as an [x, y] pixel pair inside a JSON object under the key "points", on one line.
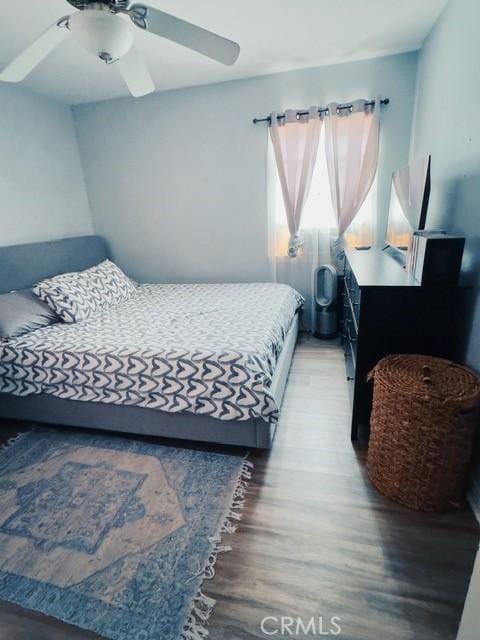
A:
{"points": [[79, 295]]}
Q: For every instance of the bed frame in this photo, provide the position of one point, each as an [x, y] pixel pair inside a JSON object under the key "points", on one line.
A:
{"points": [[22, 266]]}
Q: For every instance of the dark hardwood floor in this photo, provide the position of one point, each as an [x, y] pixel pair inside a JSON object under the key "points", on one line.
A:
{"points": [[316, 540]]}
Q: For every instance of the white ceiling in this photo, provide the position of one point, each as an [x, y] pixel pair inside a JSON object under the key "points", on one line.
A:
{"points": [[274, 35]]}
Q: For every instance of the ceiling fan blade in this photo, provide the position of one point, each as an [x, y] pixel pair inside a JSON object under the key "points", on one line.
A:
{"points": [[26, 62], [184, 33], [135, 73]]}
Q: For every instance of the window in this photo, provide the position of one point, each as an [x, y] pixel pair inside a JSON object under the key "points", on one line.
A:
{"points": [[318, 212]]}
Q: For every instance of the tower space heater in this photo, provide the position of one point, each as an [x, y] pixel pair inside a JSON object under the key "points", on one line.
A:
{"points": [[325, 282]]}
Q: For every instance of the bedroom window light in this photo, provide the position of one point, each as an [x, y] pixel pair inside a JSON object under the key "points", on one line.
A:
{"points": [[318, 213], [317, 229], [363, 230]]}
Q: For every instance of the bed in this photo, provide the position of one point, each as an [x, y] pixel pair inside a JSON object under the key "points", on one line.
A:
{"points": [[197, 362]]}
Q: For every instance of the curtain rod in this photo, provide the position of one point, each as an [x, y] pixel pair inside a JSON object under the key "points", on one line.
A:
{"points": [[348, 105]]}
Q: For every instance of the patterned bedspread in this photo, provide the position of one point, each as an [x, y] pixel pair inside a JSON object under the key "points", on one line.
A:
{"points": [[207, 349]]}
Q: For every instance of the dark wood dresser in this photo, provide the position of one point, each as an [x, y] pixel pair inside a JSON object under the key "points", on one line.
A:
{"points": [[385, 311]]}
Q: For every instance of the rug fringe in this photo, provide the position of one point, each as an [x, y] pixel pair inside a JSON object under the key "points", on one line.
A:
{"points": [[203, 605]]}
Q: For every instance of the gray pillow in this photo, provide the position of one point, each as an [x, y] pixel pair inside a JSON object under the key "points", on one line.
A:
{"points": [[79, 295], [22, 312]]}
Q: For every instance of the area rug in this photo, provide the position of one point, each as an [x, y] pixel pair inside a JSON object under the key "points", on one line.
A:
{"points": [[115, 535]]}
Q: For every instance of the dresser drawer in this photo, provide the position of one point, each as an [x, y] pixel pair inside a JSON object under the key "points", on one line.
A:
{"points": [[352, 340], [349, 335], [350, 363], [351, 302]]}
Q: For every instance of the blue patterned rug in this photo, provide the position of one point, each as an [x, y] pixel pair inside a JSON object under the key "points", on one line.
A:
{"points": [[115, 535]]}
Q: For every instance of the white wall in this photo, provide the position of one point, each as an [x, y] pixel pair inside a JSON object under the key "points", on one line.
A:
{"points": [[42, 191], [447, 125], [177, 180]]}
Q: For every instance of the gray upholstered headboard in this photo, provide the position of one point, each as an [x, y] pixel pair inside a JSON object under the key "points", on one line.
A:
{"points": [[21, 266]]}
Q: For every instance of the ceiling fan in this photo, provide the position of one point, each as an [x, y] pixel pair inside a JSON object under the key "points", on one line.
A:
{"points": [[98, 27]]}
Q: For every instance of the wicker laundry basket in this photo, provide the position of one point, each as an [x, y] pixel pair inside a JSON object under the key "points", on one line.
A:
{"points": [[423, 419]]}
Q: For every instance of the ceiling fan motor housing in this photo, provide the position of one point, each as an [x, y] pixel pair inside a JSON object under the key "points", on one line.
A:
{"points": [[112, 4], [102, 33]]}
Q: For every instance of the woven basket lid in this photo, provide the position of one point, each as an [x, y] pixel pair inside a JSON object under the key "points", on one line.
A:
{"points": [[436, 378]]}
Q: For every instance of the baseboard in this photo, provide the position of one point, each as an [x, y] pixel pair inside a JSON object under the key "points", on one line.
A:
{"points": [[474, 498]]}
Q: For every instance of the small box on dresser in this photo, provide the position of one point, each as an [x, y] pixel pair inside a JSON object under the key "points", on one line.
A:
{"points": [[437, 258]]}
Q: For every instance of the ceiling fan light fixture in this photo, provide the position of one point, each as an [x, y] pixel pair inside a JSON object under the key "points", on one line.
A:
{"points": [[100, 29], [102, 33]]}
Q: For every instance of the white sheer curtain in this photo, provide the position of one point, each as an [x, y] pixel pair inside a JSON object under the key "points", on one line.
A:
{"points": [[351, 145], [295, 143], [296, 247]]}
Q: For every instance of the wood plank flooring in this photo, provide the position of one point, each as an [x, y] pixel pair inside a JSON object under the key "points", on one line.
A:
{"points": [[317, 540]]}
